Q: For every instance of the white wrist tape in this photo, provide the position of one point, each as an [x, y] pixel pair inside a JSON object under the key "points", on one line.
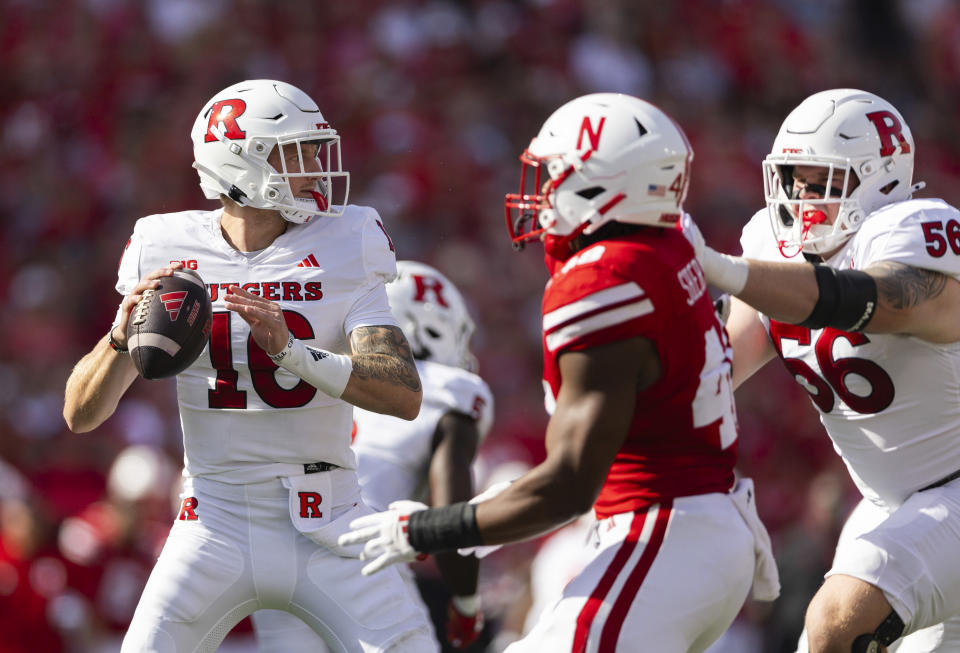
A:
{"points": [[322, 369], [728, 273], [468, 605]]}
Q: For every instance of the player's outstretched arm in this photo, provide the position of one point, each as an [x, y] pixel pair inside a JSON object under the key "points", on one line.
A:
{"points": [[887, 297], [589, 425], [102, 376], [785, 291]]}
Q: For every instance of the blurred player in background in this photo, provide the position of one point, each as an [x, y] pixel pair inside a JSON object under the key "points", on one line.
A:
{"points": [[866, 319], [429, 458], [270, 479], [637, 372]]}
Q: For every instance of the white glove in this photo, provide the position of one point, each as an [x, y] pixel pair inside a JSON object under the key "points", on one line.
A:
{"points": [[384, 536], [728, 273], [692, 232]]}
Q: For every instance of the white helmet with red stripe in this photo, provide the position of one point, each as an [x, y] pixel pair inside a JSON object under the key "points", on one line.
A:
{"points": [[607, 156], [238, 129], [865, 147], [432, 314]]}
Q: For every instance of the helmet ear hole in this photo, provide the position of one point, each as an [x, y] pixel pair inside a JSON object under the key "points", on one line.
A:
{"points": [[886, 190]]}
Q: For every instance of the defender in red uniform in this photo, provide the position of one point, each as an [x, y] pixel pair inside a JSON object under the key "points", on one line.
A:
{"points": [[637, 373]]}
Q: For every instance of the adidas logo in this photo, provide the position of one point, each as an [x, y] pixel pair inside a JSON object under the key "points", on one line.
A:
{"points": [[318, 354], [173, 302], [309, 262]]}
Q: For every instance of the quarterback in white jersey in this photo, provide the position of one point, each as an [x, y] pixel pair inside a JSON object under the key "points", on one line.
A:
{"points": [[871, 333], [269, 479], [426, 459]]}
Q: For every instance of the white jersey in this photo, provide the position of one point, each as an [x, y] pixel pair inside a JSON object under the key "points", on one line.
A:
{"points": [[890, 403], [240, 413], [394, 454]]}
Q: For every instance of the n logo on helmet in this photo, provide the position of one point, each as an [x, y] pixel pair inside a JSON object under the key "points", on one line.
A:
{"points": [[431, 284], [889, 128], [226, 112], [593, 136]]}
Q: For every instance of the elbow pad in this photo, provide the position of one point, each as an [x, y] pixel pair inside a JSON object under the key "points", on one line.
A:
{"points": [[847, 299]]}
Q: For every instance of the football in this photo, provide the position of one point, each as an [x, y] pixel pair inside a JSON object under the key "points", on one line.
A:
{"points": [[170, 325]]}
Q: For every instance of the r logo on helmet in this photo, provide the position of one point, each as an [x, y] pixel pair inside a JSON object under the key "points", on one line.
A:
{"points": [[226, 112], [888, 128]]}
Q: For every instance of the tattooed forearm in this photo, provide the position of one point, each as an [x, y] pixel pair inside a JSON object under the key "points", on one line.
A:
{"points": [[902, 286], [383, 353]]}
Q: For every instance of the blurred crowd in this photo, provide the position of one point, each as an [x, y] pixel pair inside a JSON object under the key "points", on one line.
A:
{"points": [[434, 100]]}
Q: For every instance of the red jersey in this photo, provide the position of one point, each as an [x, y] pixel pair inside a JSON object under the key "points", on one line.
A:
{"points": [[683, 435]]}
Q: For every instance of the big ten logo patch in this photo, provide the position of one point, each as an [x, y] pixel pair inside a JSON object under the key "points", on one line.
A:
{"points": [[310, 505], [188, 509]]}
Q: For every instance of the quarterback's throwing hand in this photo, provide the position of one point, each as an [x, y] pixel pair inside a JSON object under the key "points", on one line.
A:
{"points": [[384, 536], [267, 324]]}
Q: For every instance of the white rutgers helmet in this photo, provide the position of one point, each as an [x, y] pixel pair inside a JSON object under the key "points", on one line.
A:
{"points": [[432, 314], [843, 130], [238, 129], [607, 157]]}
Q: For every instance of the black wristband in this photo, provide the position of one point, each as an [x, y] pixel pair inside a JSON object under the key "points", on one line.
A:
{"points": [[444, 529], [113, 344]]}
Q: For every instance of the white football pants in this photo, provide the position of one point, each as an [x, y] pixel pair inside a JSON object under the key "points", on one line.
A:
{"points": [[242, 553], [670, 579]]}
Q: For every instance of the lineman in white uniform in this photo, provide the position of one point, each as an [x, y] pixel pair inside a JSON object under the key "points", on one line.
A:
{"points": [[872, 334], [427, 459], [269, 479]]}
